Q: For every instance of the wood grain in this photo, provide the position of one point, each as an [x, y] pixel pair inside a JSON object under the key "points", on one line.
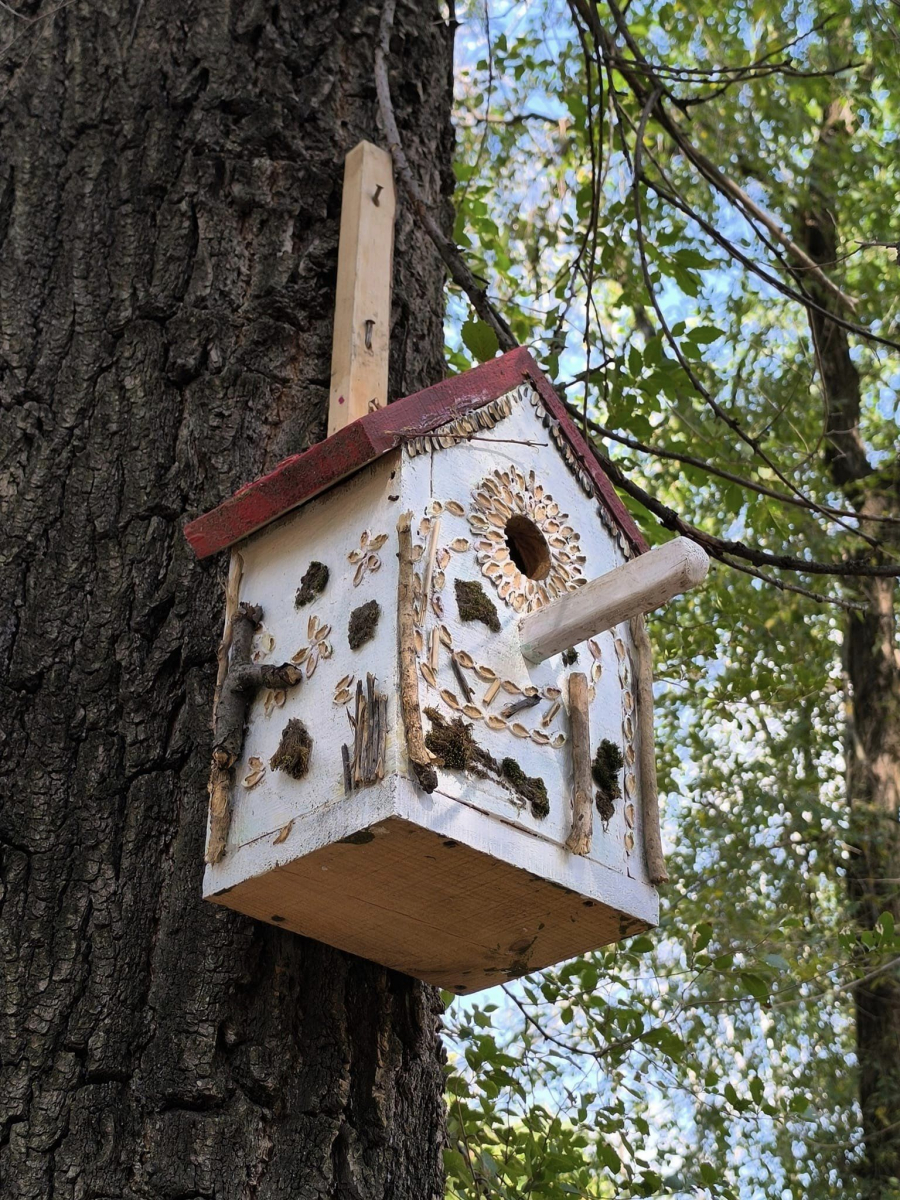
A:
{"points": [[579, 839], [637, 587], [362, 312]]}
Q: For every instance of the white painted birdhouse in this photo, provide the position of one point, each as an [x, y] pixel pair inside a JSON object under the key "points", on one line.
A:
{"points": [[457, 783]]}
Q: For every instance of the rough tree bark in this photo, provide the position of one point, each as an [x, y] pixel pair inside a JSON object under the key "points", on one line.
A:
{"points": [[872, 678], [170, 183]]}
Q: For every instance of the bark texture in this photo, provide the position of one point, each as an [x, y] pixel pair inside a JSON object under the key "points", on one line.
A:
{"points": [[872, 679], [170, 183]]}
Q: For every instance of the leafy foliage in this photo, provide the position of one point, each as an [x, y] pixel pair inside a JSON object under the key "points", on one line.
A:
{"points": [[714, 1057]]}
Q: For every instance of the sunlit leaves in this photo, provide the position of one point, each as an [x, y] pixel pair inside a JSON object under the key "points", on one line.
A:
{"points": [[713, 1057]]}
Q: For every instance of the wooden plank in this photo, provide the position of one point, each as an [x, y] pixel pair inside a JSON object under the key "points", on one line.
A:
{"points": [[362, 311], [430, 906], [637, 587]]}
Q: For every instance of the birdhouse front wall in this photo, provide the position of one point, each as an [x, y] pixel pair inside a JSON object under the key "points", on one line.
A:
{"points": [[471, 487]]}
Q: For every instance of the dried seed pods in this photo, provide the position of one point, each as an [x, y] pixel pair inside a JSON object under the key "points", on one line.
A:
{"points": [[256, 773]]}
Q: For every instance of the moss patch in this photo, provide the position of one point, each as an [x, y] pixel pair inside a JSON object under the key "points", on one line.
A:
{"points": [[456, 748], [608, 762], [294, 749], [529, 788], [570, 657], [312, 584], [363, 622], [475, 605]]}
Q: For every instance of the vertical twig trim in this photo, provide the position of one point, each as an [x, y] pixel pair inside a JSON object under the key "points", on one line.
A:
{"points": [[579, 839], [653, 851], [409, 681], [241, 682], [232, 592]]}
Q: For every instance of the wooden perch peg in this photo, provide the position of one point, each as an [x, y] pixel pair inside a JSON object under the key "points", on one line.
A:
{"points": [[637, 587], [242, 681], [362, 311]]}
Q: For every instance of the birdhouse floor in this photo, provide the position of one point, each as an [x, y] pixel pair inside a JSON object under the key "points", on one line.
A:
{"points": [[443, 902]]}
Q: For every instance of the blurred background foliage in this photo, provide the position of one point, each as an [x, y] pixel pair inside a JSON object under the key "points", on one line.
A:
{"points": [[715, 1056]]}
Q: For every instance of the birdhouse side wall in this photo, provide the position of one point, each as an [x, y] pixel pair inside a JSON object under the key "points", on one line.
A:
{"points": [[349, 530]]}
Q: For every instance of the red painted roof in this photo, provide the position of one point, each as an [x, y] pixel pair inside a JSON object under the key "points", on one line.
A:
{"points": [[302, 476]]}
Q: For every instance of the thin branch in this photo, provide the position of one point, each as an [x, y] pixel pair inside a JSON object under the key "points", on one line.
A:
{"points": [[702, 464], [448, 250], [670, 519], [783, 586]]}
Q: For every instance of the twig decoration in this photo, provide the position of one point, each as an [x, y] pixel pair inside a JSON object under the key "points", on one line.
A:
{"points": [[579, 839], [653, 851], [409, 680], [243, 679]]}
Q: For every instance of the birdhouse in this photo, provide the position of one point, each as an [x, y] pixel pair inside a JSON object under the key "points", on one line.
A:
{"points": [[436, 744], [433, 730]]}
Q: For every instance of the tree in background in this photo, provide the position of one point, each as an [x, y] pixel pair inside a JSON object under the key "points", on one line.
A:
{"points": [[170, 187], [690, 213]]}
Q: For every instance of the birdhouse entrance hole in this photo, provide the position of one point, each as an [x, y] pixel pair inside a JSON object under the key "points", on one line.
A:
{"points": [[527, 547]]}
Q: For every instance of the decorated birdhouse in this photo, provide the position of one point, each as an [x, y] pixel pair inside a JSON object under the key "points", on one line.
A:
{"points": [[433, 735]]}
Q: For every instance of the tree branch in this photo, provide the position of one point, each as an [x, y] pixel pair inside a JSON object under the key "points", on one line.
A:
{"points": [[448, 250]]}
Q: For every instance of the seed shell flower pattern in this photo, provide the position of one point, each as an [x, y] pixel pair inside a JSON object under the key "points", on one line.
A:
{"points": [[509, 493]]}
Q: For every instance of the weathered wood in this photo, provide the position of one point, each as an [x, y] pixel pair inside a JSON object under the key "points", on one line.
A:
{"points": [[643, 670], [232, 596], [464, 902], [428, 572], [637, 587], [242, 681], [409, 679], [169, 222], [362, 311], [579, 840]]}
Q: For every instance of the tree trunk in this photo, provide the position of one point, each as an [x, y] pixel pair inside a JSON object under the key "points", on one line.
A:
{"points": [[872, 678], [170, 184]]}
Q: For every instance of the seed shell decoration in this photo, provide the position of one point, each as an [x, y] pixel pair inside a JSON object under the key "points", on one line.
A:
{"points": [[508, 494], [317, 646], [623, 659], [365, 558]]}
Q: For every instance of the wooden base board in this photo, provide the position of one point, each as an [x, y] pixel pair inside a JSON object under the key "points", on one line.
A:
{"points": [[429, 906]]}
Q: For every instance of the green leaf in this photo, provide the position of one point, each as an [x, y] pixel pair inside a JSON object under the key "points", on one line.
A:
{"points": [[478, 337]]}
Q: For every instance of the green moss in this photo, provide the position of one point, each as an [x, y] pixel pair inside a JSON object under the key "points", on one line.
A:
{"points": [[363, 622], [455, 747], [532, 789], [570, 657], [608, 762], [475, 605], [294, 749], [312, 584]]}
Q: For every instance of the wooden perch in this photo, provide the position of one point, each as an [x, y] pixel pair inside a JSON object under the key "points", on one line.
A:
{"points": [[653, 851], [242, 681], [579, 840], [409, 680], [637, 587]]}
